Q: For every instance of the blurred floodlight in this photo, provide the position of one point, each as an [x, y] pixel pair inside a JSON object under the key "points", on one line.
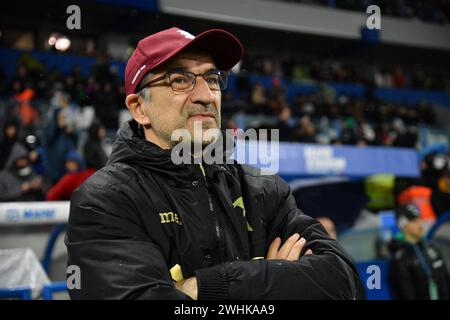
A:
{"points": [[62, 43], [52, 39]]}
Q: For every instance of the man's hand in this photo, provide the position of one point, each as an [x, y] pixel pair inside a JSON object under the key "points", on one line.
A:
{"points": [[290, 250], [188, 286]]}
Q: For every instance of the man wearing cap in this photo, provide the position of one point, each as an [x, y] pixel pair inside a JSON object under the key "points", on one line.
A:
{"points": [[417, 269], [144, 227]]}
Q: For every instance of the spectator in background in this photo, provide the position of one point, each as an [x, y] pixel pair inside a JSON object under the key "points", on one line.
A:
{"points": [[258, 98], [101, 69], [330, 227], [91, 87], [348, 132], [305, 131], [19, 79], [399, 78], [18, 181], [284, 124], [440, 198], [75, 176], [29, 115], [94, 152], [70, 86], [297, 105], [383, 136], [433, 167], [60, 137], [37, 154], [436, 173], [403, 136], [76, 74], [418, 271], [328, 224], [60, 100], [277, 96], [243, 86], [107, 107], [365, 131], [429, 192], [9, 137], [426, 113]]}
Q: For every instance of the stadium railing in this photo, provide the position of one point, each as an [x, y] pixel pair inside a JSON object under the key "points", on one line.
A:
{"points": [[31, 214]]}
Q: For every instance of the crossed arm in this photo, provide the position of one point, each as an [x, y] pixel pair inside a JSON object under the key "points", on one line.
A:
{"points": [[289, 251]]}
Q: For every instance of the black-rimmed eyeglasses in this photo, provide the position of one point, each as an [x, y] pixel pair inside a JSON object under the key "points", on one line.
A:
{"points": [[182, 81]]}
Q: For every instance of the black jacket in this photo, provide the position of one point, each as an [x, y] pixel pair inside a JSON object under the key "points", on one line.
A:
{"points": [[142, 222], [409, 279]]}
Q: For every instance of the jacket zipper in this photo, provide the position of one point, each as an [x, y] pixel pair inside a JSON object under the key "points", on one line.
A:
{"points": [[218, 232]]}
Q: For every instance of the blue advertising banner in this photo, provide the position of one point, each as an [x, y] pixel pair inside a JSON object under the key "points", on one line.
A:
{"points": [[296, 159]]}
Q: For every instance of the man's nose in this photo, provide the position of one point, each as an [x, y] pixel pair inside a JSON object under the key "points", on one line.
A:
{"points": [[202, 94]]}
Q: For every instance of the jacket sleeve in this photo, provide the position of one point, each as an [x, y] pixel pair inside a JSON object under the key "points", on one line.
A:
{"points": [[116, 258], [327, 274]]}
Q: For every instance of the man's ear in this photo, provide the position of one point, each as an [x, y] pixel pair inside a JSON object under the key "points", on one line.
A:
{"points": [[135, 105]]}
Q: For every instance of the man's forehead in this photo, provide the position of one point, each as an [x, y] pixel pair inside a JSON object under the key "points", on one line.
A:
{"points": [[189, 59]]}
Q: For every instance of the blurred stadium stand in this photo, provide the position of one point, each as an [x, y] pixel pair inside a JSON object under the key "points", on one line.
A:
{"points": [[373, 107]]}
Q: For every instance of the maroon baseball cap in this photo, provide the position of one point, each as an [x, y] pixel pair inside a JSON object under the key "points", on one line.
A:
{"points": [[225, 49]]}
